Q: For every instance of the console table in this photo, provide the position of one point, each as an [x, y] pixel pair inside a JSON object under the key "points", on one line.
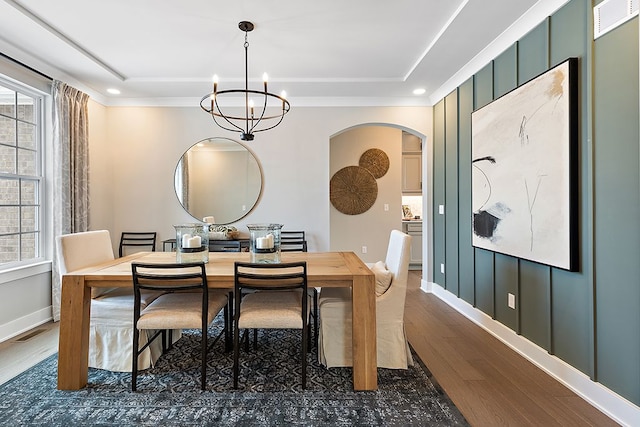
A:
{"points": [[240, 245]]}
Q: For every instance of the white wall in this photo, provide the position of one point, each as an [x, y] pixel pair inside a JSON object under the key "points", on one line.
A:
{"points": [[132, 167], [133, 154], [370, 228]]}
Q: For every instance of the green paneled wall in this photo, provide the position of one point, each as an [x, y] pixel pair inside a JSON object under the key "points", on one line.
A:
{"points": [[438, 192], [465, 249], [483, 266], [534, 282], [590, 318], [505, 79], [617, 210], [572, 333], [451, 192]]}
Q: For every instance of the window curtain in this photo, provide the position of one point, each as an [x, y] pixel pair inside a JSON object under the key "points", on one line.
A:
{"points": [[70, 171]]}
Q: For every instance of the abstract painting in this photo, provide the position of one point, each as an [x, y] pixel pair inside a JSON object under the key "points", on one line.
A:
{"points": [[524, 170]]}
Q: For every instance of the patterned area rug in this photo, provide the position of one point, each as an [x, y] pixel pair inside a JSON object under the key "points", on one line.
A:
{"points": [[270, 392]]}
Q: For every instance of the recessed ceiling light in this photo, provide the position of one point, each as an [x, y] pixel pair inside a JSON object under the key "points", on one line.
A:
{"points": [[419, 91], [113, 91]]}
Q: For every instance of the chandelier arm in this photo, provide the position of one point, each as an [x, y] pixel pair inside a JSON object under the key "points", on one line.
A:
{"points": [[264, 110], [213, 116], [270, 127]]}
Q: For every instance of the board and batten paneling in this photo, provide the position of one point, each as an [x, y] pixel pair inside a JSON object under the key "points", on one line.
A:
{"points": [[617, 211], [589, 318], [483, 266], [505, 72], [465, 249], [572, 332], [451, 191], [534, 286], [439, 244]]}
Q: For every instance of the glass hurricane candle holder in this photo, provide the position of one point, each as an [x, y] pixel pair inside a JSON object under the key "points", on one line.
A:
{"points": [[264, 243], [192, 243]]}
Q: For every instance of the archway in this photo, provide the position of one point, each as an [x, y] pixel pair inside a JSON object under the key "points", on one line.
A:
{"points": [[367, 233]]}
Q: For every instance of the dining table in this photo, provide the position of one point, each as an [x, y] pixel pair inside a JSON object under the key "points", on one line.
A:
{"points": [[324, 269]]}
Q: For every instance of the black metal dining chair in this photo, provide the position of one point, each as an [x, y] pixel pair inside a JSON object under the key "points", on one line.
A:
{"points": [[187, 303], [139, 240], [295, 241], [281, 302]]}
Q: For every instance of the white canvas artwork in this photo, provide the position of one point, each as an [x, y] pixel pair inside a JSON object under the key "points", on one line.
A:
{"points": [[523, 167]]}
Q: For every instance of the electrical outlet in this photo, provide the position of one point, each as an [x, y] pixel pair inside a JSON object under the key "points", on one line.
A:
{"points": [[442, 268], [364, 249], [511, 300], [441, 209], [386, 207]]}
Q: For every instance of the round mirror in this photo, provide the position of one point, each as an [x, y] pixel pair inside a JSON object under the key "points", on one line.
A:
{"points": [[219, 178]]}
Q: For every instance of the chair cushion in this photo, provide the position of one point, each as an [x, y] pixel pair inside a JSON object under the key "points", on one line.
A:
{"points": [[272, 310], [181, 310], [383, 277]]}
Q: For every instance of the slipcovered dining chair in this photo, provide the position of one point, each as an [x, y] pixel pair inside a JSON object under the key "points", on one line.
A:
{"points": [[138, 240], [111, 320], [186, 303], [335, 347], [281, 303]]}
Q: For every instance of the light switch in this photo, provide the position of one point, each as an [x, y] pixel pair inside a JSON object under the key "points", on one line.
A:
{"points": [[386, 206], [441, 209]]}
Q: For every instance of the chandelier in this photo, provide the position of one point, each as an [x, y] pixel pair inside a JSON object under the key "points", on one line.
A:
{"points": [[256, 118]]}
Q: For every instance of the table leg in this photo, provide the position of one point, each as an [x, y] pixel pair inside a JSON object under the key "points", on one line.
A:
{"points": [[73, 347], [365, 363]]}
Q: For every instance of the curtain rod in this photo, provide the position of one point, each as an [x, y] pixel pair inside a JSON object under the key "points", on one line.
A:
{"points": [[26, 66]]}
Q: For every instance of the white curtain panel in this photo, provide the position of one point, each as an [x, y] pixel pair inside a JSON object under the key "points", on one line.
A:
{"points": [[71, 171]]}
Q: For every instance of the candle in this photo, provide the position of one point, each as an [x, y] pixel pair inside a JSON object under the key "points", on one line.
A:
{"points": [[261, 243], [185, 240], [195, 242], [270, 241]]}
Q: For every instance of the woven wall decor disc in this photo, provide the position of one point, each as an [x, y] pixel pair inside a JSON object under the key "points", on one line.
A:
{"points": [[353, 190], [375, 161]]}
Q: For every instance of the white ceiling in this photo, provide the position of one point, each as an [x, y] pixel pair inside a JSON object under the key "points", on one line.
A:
{"points": [[329, 52]]}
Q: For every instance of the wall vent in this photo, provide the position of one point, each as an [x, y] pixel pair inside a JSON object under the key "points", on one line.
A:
{"points": [[609, 14]]}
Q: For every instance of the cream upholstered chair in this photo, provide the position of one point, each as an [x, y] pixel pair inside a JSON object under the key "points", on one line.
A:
{"points": [[111, 323], [334, 348]]}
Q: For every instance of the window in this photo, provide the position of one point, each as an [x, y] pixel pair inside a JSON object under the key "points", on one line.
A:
{"points": [[21, 177]]}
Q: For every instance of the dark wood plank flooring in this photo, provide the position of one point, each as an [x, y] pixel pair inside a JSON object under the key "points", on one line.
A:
{"points": [[490, 383]]}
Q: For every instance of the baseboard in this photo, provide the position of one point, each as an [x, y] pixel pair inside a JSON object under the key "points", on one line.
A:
{"points": [[610, 403], [24, 323]]}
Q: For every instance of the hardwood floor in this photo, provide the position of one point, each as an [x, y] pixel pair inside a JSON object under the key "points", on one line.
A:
{"points": [[490, 383], [25, 350]]}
